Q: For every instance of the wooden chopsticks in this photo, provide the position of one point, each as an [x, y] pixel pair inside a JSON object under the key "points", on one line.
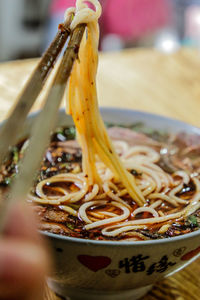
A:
{"points": [[45, 122], [13, 124], [41, 129]]}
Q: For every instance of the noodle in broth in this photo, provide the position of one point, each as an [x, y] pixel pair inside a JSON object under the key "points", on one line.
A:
{"points": [[118, 189]]}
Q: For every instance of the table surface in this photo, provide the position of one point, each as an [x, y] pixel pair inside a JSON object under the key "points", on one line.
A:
{"points": [[141, 79]]}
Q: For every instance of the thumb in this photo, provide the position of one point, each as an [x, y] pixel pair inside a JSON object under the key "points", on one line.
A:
{"points": [[22, 223], [23, 267], [23, 258]]}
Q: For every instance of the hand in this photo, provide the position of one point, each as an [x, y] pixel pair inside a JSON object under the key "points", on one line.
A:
{"points": [[23, 259]]}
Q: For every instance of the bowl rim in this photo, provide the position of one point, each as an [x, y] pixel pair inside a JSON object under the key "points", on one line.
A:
{"points": [[182, 237], [185, 237]]}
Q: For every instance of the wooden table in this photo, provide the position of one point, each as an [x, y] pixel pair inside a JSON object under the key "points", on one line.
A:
{"points": [[138, 79]]}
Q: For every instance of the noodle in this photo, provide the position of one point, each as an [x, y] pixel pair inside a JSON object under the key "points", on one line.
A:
{"points": [[68, 197], [83, 106], [146, 209], [104, 222]]}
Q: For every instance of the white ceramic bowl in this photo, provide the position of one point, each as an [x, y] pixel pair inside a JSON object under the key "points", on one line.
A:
{"points": [[86, 269]]}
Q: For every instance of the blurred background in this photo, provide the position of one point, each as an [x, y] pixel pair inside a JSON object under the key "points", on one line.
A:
{"points": [[27, 26]]}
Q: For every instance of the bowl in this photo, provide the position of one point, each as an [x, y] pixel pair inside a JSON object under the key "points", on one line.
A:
{"points": [[88, 269]]}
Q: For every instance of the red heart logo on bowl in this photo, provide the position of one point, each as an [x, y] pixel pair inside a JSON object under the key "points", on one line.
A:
{"points": [[94, 263]]}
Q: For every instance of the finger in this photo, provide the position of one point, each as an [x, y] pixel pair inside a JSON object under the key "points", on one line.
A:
{"points": [[22, 223], [23, 267]]}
